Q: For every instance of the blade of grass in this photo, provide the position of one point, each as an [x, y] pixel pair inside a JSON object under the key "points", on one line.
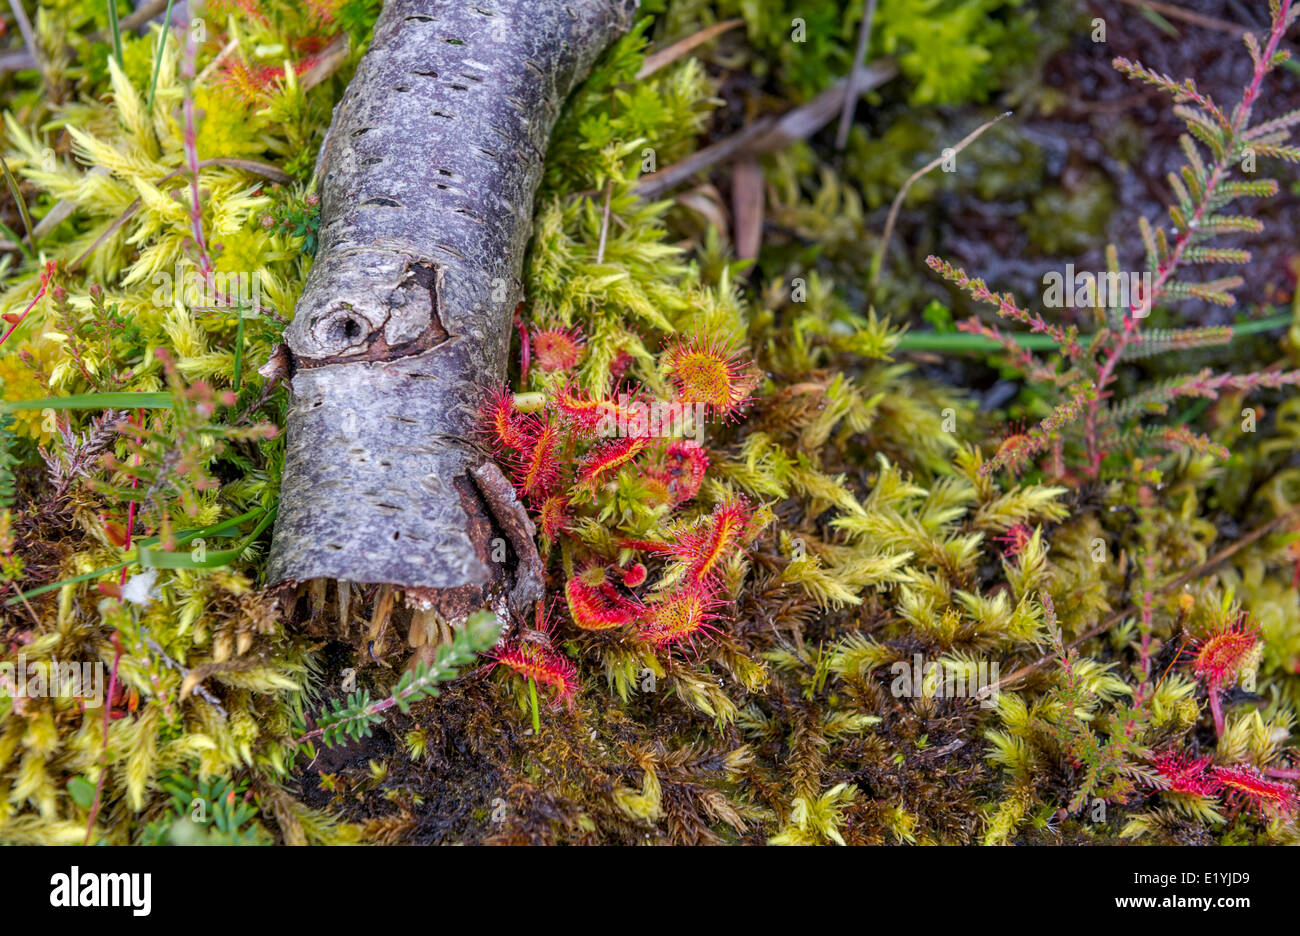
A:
{"points": [[115, 30], [215, 531], [93, 401], [959, 342], [1192, 412], [17, 241], [158, 56], [239, 349], [22, 203], [163, 559], [1168, 28]]}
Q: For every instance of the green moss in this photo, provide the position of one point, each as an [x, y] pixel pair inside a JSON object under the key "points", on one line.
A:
{"points": [[1065, 221], [873, 536]]}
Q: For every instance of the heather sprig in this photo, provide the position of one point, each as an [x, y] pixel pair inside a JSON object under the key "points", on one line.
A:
{"points": [[357, 715], [165, 471], [1216, 146]]}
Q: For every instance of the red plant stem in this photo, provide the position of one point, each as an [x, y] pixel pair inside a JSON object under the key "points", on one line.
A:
{"points": [[192, 163], [1216, 709], [1148, 600], [1240, 117], [45, 281], [130, 510], [103, 758]]}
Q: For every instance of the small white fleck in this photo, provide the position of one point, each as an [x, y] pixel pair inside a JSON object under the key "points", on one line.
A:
{"points": [[139, 588]]}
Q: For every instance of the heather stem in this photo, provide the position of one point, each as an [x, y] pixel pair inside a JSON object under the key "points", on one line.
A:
{"points": [[45, 281], [1240, 119], [103, 756], [192, 161]]}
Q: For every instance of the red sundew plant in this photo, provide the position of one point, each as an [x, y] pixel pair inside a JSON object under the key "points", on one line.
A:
{"points": [[1221, 657], [531, 658], [703, 547], [557, 349], [553, 517], [678, 618], [709, 372], [584, 457], [595, 604], [606, 458], [537, 466], [250, 8], [681, 471], [501, 423], [1013, 439], [253, 84], [1246, 784], [1180, 773], [618, 368], [324, 11], [582, 412]]}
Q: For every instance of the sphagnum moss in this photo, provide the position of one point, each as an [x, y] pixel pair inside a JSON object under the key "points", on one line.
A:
{"points": [[754, 638]]}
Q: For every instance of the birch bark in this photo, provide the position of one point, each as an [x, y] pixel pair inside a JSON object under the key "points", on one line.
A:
{"points": [[427, 178]]}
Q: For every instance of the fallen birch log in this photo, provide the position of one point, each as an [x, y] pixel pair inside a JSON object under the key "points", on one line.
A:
{"points": [[427, 179]]}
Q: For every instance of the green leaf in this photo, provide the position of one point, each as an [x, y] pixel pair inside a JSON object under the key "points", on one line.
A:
{"points": [[22, 203], [93, 401], [217, 529], [161, 559], [82, 792]]}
